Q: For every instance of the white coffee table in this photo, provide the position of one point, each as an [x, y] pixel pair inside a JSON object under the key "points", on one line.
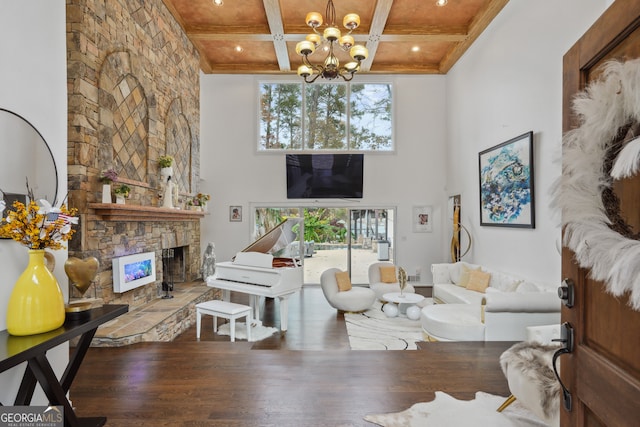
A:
{"points": [[404, 301]]}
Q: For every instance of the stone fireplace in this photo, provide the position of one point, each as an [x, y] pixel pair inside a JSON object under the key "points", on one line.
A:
{"points": [[130, 103]]}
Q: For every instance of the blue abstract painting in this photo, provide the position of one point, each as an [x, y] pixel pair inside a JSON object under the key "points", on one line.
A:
{"points": [[506, 184]]}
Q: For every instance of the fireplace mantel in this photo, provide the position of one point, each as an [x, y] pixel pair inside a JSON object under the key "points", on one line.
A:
{"points": [[118, 212]]}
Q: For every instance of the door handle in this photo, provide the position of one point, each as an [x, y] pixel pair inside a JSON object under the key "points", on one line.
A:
{"points": [[567, 340], [567, 292]]}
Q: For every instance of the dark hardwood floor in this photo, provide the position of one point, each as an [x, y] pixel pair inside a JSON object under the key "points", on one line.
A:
{"points": [[305, 377]]}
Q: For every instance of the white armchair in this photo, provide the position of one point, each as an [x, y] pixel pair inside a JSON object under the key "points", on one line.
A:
{"points": [[380, 286], [355, 299]]}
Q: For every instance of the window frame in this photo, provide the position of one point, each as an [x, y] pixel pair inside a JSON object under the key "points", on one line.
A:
{"points": [[259, 81]]}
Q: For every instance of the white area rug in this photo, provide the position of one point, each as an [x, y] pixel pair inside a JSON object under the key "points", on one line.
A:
{"points": [[258, 332], [373, 330], [446, 411]]}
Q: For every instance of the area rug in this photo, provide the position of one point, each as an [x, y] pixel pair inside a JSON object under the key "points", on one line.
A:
{"points": [[446, 411], [258, 332], [373, 330]]}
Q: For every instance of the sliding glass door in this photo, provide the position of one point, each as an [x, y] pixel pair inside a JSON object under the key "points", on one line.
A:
{"points": [[344, 238]]}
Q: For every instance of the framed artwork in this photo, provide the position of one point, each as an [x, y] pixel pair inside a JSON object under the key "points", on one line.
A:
{"points": [[422, 218], [235, 213], [506, 184]]}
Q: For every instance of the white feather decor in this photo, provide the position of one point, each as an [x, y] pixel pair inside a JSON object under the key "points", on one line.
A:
{"points": [[608, 104], [628, 161]]}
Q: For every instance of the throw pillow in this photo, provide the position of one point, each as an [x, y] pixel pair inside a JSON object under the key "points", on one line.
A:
{"points": [[344, 282], [464, 276], [478, 281], [388, 274]]}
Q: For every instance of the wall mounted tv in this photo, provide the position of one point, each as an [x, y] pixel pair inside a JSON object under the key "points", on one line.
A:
{"points": [[324, 176]]}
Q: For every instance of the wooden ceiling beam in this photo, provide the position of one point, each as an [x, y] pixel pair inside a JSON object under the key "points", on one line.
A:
{"points": [[274, 17], [477, 26], [383, 7]]}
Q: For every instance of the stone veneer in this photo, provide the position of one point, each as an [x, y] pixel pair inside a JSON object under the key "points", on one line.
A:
{"points": [[133, 95]]}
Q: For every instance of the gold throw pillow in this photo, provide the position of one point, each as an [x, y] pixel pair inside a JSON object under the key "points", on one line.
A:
{"points": [[464, 276], [478, 281], [388, 274], [344, 282]]}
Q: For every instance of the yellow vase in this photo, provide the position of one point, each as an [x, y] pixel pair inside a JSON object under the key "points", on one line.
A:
{"points": [[36, 304]]}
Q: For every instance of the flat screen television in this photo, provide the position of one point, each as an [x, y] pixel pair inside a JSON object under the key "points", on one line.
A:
{"points": [[324, 176]]}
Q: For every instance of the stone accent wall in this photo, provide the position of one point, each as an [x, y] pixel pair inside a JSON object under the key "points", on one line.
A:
{"points": [[133, 88]]}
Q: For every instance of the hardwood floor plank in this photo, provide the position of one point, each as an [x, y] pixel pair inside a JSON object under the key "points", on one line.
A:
{"points": [[214, 382]]}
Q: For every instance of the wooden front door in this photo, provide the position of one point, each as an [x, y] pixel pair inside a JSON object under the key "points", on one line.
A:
{"points": [[603, 372]]}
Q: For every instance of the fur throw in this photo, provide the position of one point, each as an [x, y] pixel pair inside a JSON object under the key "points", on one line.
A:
{"points": [[534, 361], [608, 105]]}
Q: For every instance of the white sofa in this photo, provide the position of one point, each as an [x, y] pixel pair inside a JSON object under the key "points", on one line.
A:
{"points": [[501, 313]]}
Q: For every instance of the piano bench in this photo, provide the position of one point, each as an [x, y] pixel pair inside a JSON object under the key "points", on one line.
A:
{"points": [[226, 310]]}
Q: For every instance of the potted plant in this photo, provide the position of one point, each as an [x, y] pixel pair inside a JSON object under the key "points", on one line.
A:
{"points": [[122, 192], [107, 176], [165, 163], [202, 200], [199, 201]]}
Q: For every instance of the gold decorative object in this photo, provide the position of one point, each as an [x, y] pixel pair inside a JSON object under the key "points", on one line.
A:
{"points": [[81, 274], [402, 279]]}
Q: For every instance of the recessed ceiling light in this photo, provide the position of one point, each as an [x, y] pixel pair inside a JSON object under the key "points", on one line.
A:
{"points": [[415, 49], [218, 2], [239, 49], [441, 2]]}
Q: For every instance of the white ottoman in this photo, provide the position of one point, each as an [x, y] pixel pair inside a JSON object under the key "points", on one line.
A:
{"points": [[452, 322], [226, 310]]}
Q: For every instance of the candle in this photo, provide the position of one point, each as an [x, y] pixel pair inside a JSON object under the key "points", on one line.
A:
{"points": [[332, 33], [351, 21], [313, 19], [314, 38], [359, 52], [305, 47], [346, 41], [304, 71]]}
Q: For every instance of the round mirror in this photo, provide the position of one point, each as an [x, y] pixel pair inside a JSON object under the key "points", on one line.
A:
{"points": [[27, 158]]}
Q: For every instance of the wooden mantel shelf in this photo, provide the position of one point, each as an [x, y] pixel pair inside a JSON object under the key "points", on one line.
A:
{"points": [[116, 212]]}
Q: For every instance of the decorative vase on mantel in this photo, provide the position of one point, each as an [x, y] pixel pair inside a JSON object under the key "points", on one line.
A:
{"points": [[119, 199], [106, 193], [36, 304]]}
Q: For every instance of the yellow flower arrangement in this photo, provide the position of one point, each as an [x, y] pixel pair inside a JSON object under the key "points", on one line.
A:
{"points": [[38, 226]]}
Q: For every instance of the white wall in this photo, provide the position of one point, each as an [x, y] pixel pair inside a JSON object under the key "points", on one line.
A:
{"points": [[510, 82], [33, 84], [235, 174]]}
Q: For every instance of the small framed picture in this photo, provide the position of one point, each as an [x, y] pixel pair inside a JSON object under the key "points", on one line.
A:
{"points": [[235, 213], [422, 218]]}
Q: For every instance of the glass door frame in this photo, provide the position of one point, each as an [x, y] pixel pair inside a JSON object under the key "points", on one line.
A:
{"points": [[329, 205]]}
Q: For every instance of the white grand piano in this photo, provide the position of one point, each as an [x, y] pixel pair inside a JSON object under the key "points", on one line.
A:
{"points": [[255, 271]]}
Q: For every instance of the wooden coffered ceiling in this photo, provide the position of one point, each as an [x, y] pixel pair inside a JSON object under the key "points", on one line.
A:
{"points": [[403, 36]]}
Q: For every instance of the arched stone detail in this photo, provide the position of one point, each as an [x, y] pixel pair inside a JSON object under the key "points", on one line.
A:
{"points": [[124, 118], [178, 144]]}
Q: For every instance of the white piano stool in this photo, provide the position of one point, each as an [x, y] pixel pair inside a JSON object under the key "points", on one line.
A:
{"points": [[226, 310]]}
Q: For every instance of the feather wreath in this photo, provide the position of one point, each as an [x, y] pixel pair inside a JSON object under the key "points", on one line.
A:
{"points": [[605, 146]]}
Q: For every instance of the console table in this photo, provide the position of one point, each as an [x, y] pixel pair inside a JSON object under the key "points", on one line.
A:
{"points": [[33, 349]]}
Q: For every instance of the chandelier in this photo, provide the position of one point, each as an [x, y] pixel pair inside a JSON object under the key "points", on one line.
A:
{"points": [[331, 36]]}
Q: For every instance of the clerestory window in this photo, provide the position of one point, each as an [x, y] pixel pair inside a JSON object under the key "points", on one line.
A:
{"points": [[333, 116]]}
